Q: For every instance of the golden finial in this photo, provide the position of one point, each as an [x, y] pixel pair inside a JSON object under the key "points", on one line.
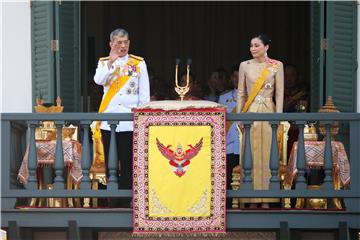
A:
{"points": [[182, 90], [310, 132], [329, 107]]}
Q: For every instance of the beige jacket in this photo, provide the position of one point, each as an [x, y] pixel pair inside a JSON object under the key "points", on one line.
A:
{"points": [[249, 71]]}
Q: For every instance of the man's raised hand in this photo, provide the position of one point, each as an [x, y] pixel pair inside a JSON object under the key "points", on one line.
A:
{"points": [[114, 54]]}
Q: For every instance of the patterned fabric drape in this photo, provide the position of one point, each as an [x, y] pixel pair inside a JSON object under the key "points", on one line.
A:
{"points": [[314, 156], [46, 151], [179, 172]]}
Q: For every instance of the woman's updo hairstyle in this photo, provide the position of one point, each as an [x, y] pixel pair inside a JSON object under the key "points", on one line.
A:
{"points": [[264, 38]]}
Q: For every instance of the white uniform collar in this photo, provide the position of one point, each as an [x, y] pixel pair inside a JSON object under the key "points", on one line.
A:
{"points": [[123, 59]]}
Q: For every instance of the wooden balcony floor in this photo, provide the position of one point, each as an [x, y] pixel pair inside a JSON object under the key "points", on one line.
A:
{"points": [[229, 236]]}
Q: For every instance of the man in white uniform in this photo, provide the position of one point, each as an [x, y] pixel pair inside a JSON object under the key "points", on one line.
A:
{"points": [[232, 135], [125, 83]]}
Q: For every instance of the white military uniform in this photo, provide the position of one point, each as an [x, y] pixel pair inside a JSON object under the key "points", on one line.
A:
{"points": [[135, 92], [232, 137]]}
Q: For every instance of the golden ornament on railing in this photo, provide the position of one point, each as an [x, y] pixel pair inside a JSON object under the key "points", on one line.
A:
{"points": [[316, 203], [68, 132], [40, 108], [329, 107], [47, 129], [310, 132], [182, 90], [235, 184]]}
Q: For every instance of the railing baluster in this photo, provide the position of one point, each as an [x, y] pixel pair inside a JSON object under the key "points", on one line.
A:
{"points": [[85, 156], [32, 160], [301, 164], [328, 157], [274, 157], [113, 158], [247, 183], [353, 204], [59, 159]]}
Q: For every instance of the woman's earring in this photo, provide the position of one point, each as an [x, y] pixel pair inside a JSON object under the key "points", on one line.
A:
{"points": [[266, 54]]}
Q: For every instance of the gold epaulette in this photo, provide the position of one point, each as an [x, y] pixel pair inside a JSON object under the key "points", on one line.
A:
{"points": [[136, 57], [104, 58]]}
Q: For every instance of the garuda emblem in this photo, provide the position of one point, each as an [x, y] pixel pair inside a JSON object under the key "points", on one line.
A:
{"points": [[180, 158]]}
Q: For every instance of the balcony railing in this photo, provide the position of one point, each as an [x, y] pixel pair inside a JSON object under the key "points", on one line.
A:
{"points": [[13, 144]]}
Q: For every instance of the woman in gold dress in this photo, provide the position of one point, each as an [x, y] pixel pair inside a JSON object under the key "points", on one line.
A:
{"points": [[261, 81]]}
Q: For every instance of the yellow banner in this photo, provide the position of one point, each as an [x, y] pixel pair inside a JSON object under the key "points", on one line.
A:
{"points": [[179, 171]]}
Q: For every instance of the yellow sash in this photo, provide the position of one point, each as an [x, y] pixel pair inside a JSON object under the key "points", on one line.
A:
{"points": [[258, 85], [115, 86], [229, 123]]}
